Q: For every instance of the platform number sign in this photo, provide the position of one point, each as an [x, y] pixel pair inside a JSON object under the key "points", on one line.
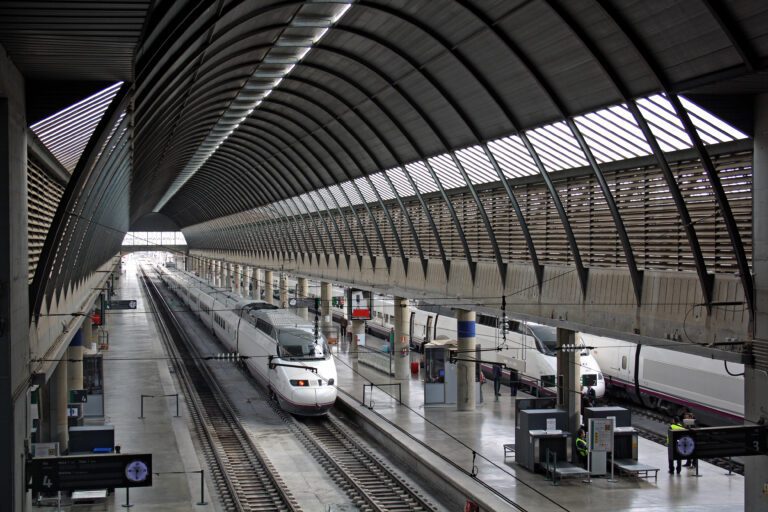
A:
{"points": [[52, 474], [702, 443]]}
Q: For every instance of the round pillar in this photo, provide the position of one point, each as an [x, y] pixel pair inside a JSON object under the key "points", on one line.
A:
{"points": [[326, 319], [75, 363], [57, 386], [401, 353], [269, 291], [465, 326], [284, 290], [236, 278], [302, 291], [255, 284]]}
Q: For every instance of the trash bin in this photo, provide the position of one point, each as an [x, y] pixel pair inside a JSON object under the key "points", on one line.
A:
{"points": [[415, 367]]}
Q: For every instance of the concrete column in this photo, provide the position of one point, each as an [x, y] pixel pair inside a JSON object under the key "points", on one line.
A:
{"points": [[302, 291], [230, 276], [236, 278], [401, 354], [568, 363], [326, 318], [284, 290], [14, 289], [465, 327], [222, 274], [58, 399], [75, 365], [268, 287], [255, 284], [90, 333], [356, 328], [756, 380]]}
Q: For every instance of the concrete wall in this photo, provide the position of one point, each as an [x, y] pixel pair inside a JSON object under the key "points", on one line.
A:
{"points": [[14, 293]]}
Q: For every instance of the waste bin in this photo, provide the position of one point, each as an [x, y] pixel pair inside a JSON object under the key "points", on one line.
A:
{"points": [[415, 367]]}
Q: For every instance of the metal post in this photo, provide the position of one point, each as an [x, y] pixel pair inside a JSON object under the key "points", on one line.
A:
{"points": [[142, 408], [202, 488], [177, 405], [127, 503]]}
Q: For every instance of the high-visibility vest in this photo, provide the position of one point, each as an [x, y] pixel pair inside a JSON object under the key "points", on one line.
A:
{"points": [[674, 426], [581, 446]]}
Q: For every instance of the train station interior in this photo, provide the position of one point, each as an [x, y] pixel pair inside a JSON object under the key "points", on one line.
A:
{"points": [[336, 255]]}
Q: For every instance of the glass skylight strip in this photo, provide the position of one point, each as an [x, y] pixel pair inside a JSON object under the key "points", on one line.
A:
{"points": [[382, 187], [549, 154], [400, 182], [338, 195], [365, 189], [512, 157], [476, 165], [723, 127], [446, 171], [352, 193], [67, 132], [268, 75], [656, 110], [421, 176], [561, 137], [621, 130], [601, 142]]}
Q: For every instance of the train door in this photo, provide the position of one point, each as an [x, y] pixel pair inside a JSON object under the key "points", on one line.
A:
{"points": [[428, 330]]}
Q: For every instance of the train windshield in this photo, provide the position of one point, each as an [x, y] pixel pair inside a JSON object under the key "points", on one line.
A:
{"points": [[295, 344], [546, 338]]}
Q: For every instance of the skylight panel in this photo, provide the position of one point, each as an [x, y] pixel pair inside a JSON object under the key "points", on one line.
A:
{"points": [[512, 156], [338, 195], [353, 195], [476, 165], [67, 132], [551, 148], [366, 190], [400, 182], [665, 126], [447, 172], [382, 187], [328, 199], [421, 177]]}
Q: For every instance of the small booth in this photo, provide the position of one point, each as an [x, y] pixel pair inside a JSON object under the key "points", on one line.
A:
{"points": [[624, 435], [440, 383]]}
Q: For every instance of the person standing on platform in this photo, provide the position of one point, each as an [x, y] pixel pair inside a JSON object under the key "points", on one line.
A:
{"points": [[343, 327], [581, 447], [497, 380], [513, 381], [481, 380], [674, 426]]}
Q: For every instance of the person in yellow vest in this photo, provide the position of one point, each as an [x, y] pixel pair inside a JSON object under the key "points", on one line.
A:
{"points": [[581, 447], [676, 425]]}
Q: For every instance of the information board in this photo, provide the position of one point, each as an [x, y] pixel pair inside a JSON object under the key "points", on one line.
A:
{"points": [[702, 443], [51, 474], [600, 435], [122, 304], [359, 307]]}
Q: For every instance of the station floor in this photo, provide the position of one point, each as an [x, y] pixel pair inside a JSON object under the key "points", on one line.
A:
{"points": [[456, 434], [136, 364]]}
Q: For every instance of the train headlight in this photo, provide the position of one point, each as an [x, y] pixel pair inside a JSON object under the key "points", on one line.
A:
{"points": [[330, 382], [300, 383]]}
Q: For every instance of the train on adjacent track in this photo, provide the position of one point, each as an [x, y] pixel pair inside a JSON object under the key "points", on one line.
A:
{"points": [[528, 353], [671, 382], [280, 348]]}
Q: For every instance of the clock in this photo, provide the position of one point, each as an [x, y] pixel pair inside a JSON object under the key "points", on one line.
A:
{"points": [[685, 446], [136, 471]]}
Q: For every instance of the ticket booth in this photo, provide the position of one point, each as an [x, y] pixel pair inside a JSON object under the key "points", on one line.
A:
{"points": [[440, 383]]}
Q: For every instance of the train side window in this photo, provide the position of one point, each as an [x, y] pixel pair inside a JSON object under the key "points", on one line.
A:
{"points": [[623, 362]]}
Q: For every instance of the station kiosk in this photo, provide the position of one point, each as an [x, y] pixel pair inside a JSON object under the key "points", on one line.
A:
{"points": [[440, 382]]}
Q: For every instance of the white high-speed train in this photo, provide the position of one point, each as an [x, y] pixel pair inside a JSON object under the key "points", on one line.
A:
{"points": [[529, 348], [281, 349], [671, 381]]}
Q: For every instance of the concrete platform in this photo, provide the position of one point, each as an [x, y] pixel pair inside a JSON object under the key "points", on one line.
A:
{"points": [[429, 432], [135, 364]]}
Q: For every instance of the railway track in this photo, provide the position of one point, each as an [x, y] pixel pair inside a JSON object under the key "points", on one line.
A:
{"points": [[244, 478]]}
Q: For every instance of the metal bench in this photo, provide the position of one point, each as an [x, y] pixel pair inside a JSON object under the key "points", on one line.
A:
{"points": [[89, 497], [508, 449], [631, 467]]}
